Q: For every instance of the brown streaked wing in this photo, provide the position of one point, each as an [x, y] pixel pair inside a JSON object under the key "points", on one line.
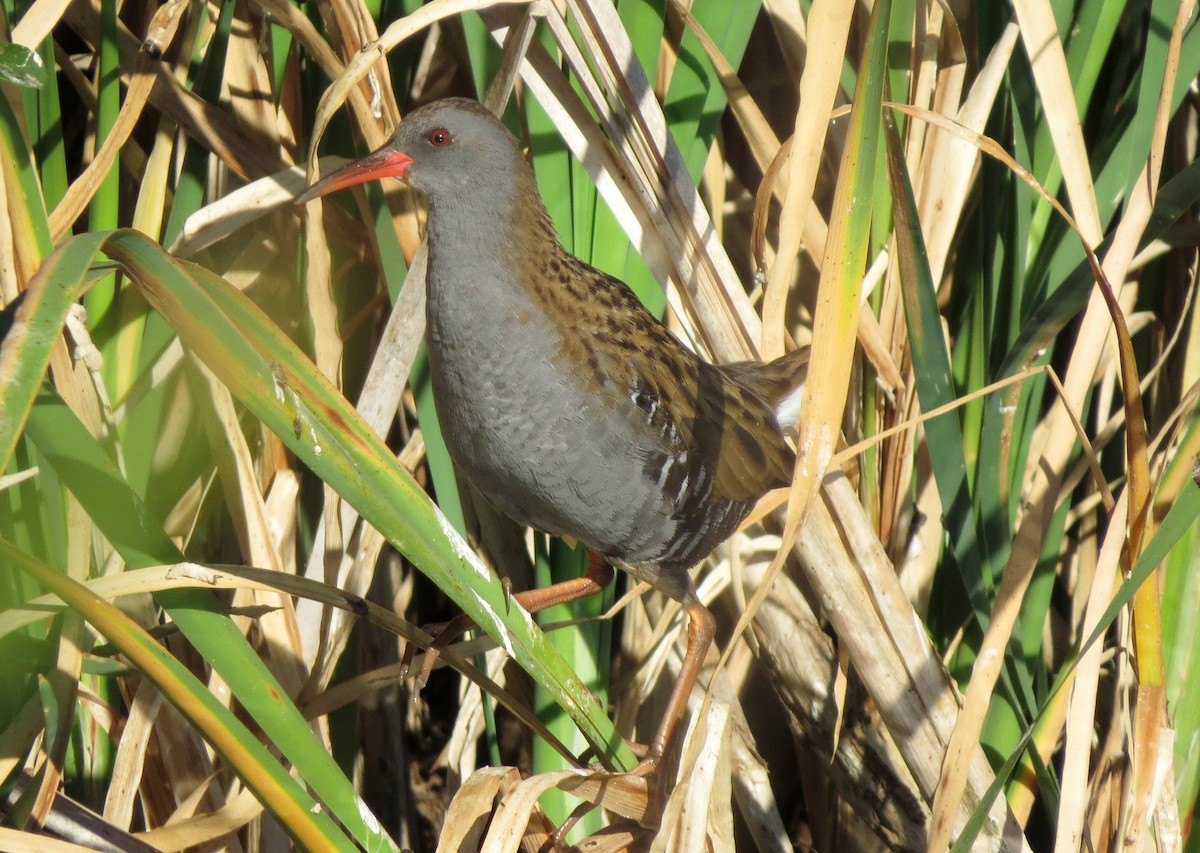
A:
{"points": [[739, 427]]}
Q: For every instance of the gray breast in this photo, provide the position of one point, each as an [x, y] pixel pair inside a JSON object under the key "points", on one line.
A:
{"points": [[540, 446]]}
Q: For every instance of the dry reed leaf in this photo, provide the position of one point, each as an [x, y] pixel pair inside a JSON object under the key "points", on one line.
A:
{"points": [[365, 60], [658, 633], [924, 78], [517, 805], [354, 25], [829, 27], [81, 191], [801, 660], [1039, 33], [131, 754], [356, 578], [768, 154], [377, 403], [697, 814], [283, 497], [322, 308], [16, 841], [816, 231], [152, 191], [946, 186], [1111, 759], [192, 800], [245, 79], [471, 808], [191, 832], [871, 337], [518, 821], [515, 46], [22, 731], [1079, 731], [38, 21], [11, 284], [91, 401], [460, 753], [291, 18], [939, 84], [62, 683], [1168, 833], [904, 675], [179, 781], [208, 124], [247, 511], [1153, 744], [624, 795], [714, 185], [754, 795]]}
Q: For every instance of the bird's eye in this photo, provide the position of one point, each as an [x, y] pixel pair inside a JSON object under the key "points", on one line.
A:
{"points": [[439, 137]]}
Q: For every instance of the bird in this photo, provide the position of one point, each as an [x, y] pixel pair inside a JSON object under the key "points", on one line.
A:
{"points": [[567, 404]]}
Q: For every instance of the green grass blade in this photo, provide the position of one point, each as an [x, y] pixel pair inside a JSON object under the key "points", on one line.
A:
{"points": [[130, 526], [38, 321], [299, 813]]}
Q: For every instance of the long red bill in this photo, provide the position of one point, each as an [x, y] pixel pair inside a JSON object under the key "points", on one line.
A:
{"points": [[387, 162]]}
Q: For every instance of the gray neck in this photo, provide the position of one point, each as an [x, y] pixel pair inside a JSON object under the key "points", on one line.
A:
{"points": [[480, 231], [479, 245]]}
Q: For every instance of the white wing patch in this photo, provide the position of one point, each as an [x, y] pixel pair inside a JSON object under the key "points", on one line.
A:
{"points": [[787, 410]]}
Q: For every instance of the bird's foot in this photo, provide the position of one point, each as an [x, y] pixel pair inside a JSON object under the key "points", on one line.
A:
{"points": [[443, 633], [648, 766], [648, 759]]}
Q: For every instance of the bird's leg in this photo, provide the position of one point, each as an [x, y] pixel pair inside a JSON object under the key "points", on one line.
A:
{"points": [[702, 626], [599, 574]]}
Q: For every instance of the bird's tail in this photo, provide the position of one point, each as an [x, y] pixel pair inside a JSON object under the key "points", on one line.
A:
{"points": [[779, 383]]}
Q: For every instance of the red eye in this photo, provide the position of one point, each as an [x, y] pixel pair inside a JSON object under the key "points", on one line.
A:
{"points": [[439, 137]]}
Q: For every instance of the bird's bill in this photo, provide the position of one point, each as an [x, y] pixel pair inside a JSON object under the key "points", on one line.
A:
{"points": [[387, 162]]}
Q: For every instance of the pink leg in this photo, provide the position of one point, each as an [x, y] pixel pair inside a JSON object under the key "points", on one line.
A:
{"points": [[598, 576]]}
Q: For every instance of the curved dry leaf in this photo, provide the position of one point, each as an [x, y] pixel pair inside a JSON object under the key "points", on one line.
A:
{"points": [[205, 828], [517, 806], [471, 808], [81, 191]]}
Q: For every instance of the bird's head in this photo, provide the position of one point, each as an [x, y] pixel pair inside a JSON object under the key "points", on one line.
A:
{"points": [[452, 147]]}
